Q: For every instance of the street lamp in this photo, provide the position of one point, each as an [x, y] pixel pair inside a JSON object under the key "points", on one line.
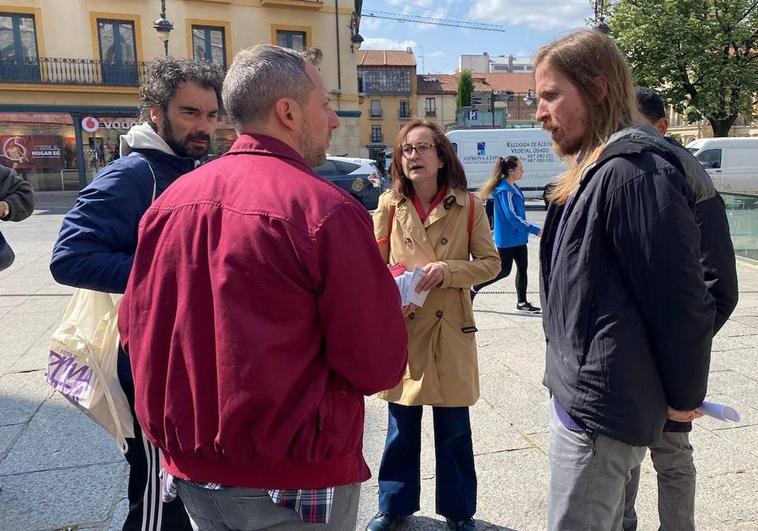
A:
{"points": [[600, 24], [163, 27], [355, 38]]}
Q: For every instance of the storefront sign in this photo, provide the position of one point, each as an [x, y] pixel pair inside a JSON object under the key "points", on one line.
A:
{"points": [[118, 123], [90, 124], [31, 152]]}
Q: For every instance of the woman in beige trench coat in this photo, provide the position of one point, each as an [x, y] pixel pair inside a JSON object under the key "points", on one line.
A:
{"points": [[429, 220]]}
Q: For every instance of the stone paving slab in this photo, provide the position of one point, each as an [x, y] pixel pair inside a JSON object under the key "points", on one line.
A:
{"points": [[81, 441], [22, 395], [55, 499]]}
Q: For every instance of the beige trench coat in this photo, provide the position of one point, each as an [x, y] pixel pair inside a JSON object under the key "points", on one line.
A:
{"points": [[442, 362]]}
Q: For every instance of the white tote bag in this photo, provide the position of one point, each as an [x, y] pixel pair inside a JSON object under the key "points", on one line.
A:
{"points": [[82, 362]]}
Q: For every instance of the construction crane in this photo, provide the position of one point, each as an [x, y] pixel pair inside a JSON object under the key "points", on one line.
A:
{"points": [[456, 23]]}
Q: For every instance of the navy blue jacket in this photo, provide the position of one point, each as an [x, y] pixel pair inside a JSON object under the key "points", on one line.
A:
{"points": [[97, 240]]}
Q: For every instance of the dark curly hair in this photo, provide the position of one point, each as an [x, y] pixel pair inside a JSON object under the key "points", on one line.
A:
{"points": [[163, 75]]}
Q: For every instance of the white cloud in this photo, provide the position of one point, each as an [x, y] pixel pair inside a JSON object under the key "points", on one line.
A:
{"points": [[535, 14], [380, 43]]}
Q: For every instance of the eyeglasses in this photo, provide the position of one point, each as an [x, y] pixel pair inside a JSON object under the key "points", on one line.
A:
{"points": [[422, 149]]}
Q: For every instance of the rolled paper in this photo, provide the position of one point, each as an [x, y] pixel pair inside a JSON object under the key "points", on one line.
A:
{"points": [[719, 411]]}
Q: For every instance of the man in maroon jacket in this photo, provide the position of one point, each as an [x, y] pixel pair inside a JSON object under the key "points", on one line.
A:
{"points": [[259, 313]]}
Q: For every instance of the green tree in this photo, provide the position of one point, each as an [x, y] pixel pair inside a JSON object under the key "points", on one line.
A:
{"points": [[465, 89], [701, 54]]}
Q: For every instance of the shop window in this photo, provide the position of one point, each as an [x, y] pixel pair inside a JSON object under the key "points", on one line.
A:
{"points": [[118, 51], [19, 59], [376, 133], [291, 39], [208, 44]]}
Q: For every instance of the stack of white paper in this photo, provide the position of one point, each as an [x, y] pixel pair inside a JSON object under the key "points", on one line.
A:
{"points": [[407, 283]]}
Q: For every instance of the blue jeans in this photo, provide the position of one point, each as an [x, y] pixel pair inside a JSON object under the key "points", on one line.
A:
{"points": [[400, 471]]}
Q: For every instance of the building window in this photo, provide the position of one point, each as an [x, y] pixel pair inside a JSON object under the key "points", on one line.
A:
{"points": [[385, 81], [291, 39], [118, 51], [375, 111], [19, 59], [208, 44], [405, 109], [376, 134], [431, 106]]}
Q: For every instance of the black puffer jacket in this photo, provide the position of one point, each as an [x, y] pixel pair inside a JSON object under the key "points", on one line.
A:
{"points": [[627, 316]]}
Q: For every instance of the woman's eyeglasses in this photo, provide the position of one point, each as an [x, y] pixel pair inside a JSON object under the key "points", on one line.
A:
{"points": [[422, 149]]}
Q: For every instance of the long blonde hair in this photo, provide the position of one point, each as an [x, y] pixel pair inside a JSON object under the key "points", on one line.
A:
{"points": [[587, 57], [502, 167]]}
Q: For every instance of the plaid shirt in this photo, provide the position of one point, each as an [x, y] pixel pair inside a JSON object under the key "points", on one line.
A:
{"points": [[313, 505]]}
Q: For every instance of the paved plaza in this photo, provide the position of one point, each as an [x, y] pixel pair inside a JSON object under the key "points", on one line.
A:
{"points": [[58, 470]]}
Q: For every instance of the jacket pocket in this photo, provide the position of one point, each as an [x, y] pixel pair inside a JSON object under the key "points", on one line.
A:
{"points": [[339, 423]]}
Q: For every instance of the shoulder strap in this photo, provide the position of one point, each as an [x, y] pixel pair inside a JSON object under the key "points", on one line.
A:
{"points": [[389, 222], [150, 166], [471, 208]]}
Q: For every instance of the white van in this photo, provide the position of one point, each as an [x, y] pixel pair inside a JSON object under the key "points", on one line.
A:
{"points": [[479, 149], [732, 162]]}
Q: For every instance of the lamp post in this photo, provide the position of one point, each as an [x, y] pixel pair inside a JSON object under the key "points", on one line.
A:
{"points": [[163, 27], [355, 38], [600, 24]]}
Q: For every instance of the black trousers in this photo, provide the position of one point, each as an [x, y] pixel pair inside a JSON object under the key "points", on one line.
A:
{"points": [[146, 511], [508, 255]]}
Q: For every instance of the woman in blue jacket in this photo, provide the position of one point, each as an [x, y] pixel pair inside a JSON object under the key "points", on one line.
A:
{"points": [[511, 228]]}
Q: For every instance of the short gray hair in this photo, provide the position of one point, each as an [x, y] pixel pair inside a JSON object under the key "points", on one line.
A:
{"points": [[262, 75]]}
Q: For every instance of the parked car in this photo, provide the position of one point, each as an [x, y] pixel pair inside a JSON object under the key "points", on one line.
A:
{"points": [[361, 178]]}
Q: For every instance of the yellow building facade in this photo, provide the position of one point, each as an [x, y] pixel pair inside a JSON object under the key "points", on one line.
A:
{"points": [[70, 70], [387, 87]]}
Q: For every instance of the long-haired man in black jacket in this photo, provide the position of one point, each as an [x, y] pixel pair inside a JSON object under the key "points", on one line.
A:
{"points": [[627, 315]]}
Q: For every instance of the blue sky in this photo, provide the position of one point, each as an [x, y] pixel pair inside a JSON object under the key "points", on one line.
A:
{"points": [[529, 24]]}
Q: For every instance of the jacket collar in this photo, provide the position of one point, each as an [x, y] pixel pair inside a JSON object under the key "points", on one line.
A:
{"points": [[412, 226], [258, 144]]}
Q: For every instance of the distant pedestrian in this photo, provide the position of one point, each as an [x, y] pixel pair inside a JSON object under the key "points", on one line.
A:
{"points": [[17, 198], [512, 230], [180, 101], [672, 454], [429, 220], [627, 316], [16, 203], [259, 313]]}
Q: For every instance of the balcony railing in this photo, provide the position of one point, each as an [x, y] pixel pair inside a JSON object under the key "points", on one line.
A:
{"points": [[432, 114], [404, 114], [67, 71], [373, 113]]}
